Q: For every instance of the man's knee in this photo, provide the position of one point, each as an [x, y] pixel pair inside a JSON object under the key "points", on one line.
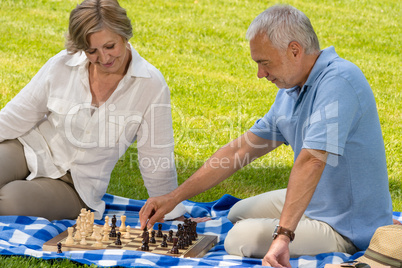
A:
{"points": [[250, 238], [266, 205]]}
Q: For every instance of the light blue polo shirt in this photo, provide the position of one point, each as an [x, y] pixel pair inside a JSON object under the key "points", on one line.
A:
{"points": [[335, 111]]}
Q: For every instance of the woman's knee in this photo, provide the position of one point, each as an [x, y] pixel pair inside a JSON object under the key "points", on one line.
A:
{"points": [[13, 199], [48, 198], [13, 164]]}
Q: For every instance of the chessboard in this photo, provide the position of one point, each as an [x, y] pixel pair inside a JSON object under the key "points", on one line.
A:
{"points": [[176, 243]]}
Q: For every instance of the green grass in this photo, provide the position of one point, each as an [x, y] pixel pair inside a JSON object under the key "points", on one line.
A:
{"points": [[200, 48]]}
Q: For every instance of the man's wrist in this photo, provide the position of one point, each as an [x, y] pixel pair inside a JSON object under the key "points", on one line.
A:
{"points": [[279, 230]]}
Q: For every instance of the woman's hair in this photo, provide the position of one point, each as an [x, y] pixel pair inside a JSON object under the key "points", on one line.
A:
{"points": [[92, 16], [284, 24]]}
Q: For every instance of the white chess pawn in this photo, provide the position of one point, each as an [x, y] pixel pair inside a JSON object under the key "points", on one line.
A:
{"points": [[106, 226], [122, 227], [78, 229], [83, 240], [127, 233], [70, 239], [95, 231], [105, 237]]}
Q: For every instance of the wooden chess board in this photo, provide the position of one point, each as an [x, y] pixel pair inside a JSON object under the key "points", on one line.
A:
{"points": [[199, 247]]}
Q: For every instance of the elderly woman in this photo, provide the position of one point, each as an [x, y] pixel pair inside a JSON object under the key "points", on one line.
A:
{"points": [[62, 135]]}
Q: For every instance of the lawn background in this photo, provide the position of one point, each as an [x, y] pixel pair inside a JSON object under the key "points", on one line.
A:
{"points": [[200, 48]]}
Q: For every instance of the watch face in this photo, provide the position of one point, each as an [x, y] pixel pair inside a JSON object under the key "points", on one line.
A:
{"points": [[275, 233]]}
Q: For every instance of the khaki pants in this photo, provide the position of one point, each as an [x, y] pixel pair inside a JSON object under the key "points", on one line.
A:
{"points": [[255, 219], [54, 199]]}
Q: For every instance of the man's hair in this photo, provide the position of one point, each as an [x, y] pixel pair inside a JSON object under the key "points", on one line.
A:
{"points": [[92, 16], [284, 24]]}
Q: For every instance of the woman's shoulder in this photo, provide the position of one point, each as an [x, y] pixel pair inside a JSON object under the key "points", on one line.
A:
{"points": [[64, 58]]}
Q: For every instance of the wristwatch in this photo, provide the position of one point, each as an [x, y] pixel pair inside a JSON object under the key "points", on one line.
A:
{"points": [[280, 230]]}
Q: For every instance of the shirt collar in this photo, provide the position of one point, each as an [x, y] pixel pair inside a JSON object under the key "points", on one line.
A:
{"points": [[138, 66], [326, 56]]}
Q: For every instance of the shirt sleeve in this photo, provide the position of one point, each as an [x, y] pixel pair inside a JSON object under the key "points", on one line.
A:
{"points": [[27, 108], [266, 127], [335, 114], [155, 142], [156, 151]]}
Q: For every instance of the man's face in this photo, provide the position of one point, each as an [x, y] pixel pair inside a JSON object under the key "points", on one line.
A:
{"points": [[281, 67]]}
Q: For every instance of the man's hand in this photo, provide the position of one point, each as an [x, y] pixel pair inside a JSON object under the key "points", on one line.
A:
{"points": [[278, 254], [155, 210]]}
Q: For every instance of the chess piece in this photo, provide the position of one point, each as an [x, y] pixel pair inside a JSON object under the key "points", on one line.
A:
{"points": [[83, 240], [105, 237], [194, 230], [164, 243], [159, 234], [145, 247], [98, 243], [113, 231], [122, 227], [145, 241], [178, 230], [118, 241], [152, 240], [144, 231], [70, 239], [174, 249], [127, 233], [78, 229], [95, 232], [145, 237], [59, 248], [106, 225], [170, 237], [114, 220]]}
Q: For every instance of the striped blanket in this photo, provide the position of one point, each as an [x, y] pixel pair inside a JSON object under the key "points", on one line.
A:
{"points": [[20, 235]]}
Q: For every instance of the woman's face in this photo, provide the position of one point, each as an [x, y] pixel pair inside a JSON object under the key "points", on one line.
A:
{"points": [[108, 52]]}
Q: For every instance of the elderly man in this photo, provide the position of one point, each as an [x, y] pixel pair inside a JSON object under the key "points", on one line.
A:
{"points": [[337, 193]]}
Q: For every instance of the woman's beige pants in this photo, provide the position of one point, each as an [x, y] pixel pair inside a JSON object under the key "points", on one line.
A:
{"points": [[54, 199]]}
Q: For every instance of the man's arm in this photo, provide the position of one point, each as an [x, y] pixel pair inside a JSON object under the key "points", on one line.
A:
{"points": [[303, 180], [226, 161]]}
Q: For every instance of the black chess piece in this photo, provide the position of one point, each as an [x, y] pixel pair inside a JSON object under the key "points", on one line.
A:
{"points": [[174, 249], [145, 241], [145, 247], [178, 230], [170, 237], [114, 220], [118, 241], [159, 234], [189, 240], [145, 237], [113, 232], [59, 248], [152, 240], [164, 243], [194, 230]]}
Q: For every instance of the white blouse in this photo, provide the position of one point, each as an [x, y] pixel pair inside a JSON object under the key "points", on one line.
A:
{"points": [[53, 118]]}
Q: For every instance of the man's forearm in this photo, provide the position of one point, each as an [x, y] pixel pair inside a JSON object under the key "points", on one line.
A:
{"points": [[226, 161], [303, 180]]}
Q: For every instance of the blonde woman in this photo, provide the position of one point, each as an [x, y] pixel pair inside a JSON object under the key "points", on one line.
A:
{"points": [[62, 135]]}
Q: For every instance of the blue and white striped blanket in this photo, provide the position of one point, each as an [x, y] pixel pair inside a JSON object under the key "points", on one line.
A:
{"points": [[21, 235]]}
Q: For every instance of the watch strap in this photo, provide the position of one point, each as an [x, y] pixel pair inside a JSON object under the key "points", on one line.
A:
{"points": [[279, 230]]}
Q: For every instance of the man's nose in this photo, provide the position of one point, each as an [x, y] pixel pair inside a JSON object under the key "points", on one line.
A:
{"points": [[261, 73]]}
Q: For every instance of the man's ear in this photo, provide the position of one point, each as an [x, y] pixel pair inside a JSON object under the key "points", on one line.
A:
{"points": [[295, 49]]}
